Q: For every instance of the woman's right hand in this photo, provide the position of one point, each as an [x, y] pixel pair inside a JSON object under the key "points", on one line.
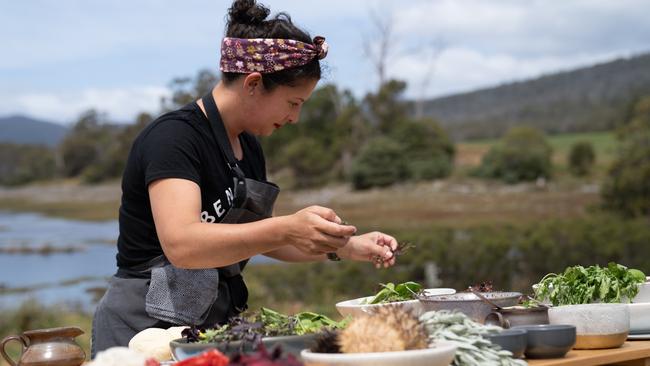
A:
{"points": [[317, 230]]}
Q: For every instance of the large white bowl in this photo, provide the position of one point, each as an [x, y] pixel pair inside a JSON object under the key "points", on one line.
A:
{"points": [[597, 325], [639, 318], [357, 307], [440, 355], [644, 293]]}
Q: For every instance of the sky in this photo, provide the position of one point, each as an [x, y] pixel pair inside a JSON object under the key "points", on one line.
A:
{"points": [[60, 58]]}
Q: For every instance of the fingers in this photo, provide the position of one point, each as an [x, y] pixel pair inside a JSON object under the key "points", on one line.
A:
{"points": [[380, 253], [389, 241], [326, 213], [334, 229]]}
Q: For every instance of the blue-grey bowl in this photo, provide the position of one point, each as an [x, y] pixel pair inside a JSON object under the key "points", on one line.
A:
{"points": [[548, 340], [513, 340]]}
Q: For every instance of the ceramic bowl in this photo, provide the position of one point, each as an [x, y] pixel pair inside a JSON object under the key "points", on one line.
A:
{"points": [[468, 303], [517, 315], [597, 325], [440, 355], [639, 318], [643, 296], [513, 340], [290, 344], [358, 307], [548, 340]]}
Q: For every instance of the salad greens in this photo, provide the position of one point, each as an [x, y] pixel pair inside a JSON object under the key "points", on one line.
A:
{"points": [[300, 323], [392, 293], [265, 323], [580, 285]]}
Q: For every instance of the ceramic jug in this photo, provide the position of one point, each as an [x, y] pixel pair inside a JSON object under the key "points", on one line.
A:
{"points": [[54, 347]]}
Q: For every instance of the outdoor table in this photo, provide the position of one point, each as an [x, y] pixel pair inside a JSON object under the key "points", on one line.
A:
{"points": [[631, 353]]}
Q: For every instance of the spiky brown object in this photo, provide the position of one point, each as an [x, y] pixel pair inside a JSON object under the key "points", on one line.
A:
{"points": [[387, 329], [327, 342]]}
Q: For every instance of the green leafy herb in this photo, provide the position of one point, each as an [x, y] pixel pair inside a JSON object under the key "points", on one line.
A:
{"points": [[265, 323], [392, 293], [580, 285]]}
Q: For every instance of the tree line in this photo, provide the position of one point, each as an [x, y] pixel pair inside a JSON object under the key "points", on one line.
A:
{"points": [[374, 141]]}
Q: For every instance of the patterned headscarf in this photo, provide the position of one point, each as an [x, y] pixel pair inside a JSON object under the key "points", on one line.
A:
{"points": [[268, 55]]}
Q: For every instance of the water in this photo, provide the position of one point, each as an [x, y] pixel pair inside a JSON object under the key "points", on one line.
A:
{"points": [[46, 275]]}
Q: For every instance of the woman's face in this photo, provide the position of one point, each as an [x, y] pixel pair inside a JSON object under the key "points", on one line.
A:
{"points": [[271, 110]]}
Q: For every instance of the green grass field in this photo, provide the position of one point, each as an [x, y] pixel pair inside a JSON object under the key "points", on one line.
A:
{"points": [[469, 153]]}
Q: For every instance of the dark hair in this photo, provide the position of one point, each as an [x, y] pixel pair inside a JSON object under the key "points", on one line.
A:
{"points": [[247, 19]]}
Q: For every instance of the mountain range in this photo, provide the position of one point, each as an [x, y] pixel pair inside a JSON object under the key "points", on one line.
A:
{"points": [[593, 98], [25, 130]]}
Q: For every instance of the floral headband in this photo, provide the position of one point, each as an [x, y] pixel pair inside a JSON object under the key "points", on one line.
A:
{"points": [[268, 55]]}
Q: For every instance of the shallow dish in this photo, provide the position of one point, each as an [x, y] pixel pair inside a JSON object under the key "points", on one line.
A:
{"points": [[357, 307], [468, 303], [291, 344], [440, 355], [548, 340]]}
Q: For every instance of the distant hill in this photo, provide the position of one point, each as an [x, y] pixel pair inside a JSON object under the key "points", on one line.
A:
{"points": [[588, 99], [25, 130]]}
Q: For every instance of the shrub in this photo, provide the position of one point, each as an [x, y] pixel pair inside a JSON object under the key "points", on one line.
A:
{"points": [[522, 155], [309, 161], [428, 151], [627, 188], [379, 163], [581, 158]]}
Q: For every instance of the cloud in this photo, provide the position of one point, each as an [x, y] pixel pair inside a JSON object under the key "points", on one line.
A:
{"points": [[459, 69], [121, 104], [66, 53]]}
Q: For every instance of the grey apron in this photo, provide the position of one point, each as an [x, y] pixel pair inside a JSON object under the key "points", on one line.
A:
{"points": [[157, 294]]}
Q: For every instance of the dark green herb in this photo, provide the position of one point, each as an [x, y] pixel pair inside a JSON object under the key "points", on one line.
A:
{"points": [[265, 323], [392, 293], [580, 285]]}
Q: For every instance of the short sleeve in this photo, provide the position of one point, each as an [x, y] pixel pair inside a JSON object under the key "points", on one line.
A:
{"points": [[170, 150]]}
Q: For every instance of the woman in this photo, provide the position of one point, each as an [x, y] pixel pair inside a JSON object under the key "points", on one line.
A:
{"points": [[196, 204]]}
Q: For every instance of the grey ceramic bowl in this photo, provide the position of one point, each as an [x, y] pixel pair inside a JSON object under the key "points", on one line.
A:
{"points": [[548, 340], [513, 340], [468, 303], [290, 344]]}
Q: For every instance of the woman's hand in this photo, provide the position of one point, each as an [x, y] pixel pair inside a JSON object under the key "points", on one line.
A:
{"points": [[372, 247], [317, 230]]}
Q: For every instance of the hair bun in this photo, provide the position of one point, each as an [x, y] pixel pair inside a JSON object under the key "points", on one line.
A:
{"points": [[247, 12]]}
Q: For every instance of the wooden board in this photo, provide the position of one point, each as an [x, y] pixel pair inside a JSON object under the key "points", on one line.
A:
{"points": [[630, 353]]}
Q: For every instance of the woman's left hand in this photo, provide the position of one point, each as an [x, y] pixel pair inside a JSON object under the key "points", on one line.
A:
{"points": [[371, 247]]}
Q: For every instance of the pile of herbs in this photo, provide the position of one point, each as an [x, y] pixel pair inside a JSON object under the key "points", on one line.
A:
{"points": [[265, 323], [580, 285], [393, 293]]}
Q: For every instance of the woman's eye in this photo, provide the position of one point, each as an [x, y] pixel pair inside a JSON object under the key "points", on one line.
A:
{"points": [[293, 104]]}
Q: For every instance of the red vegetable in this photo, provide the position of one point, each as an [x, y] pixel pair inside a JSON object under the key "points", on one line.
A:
{"points": [[151, 362], [209, 358]]}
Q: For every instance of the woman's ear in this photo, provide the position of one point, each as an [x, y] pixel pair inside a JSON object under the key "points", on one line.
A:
{"points": [[253, 83]]}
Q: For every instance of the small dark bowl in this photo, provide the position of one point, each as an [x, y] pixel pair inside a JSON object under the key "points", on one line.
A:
{"points": [[290, 344], [548, 340], [513, 340]]}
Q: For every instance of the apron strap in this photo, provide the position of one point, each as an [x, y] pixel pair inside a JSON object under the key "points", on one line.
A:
{"points": [[219, 132]]}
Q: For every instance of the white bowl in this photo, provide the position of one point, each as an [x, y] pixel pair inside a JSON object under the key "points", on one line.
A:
{"points": [[644, 293], [597, 325], [440, 355], [357, 307], [639, 318]]}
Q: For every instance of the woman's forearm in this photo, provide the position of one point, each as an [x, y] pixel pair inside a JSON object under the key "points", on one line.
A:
{"points": [[206, 245], [290, 253]]}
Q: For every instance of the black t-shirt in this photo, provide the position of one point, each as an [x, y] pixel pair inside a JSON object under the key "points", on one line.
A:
{"points": [[179, 144]]}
